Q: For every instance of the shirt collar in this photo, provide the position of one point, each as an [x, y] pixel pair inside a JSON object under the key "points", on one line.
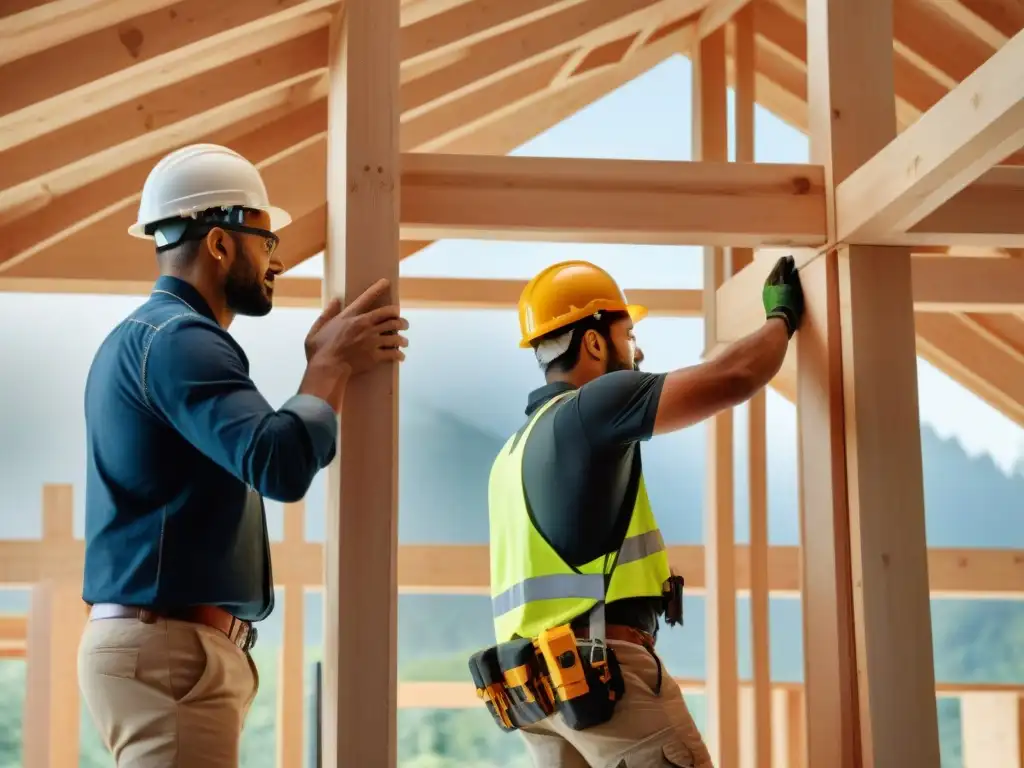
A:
{"points": [[541, 395], [185, 292]]}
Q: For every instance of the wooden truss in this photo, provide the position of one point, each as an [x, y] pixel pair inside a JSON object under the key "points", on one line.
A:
{"points": [[906, 223]]}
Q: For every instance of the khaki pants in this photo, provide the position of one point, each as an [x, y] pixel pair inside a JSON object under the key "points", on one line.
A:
{"points": [[170, 694], [646, 731]]}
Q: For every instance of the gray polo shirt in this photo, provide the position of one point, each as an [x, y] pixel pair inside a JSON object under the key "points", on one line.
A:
{"points": [[581, 471]]}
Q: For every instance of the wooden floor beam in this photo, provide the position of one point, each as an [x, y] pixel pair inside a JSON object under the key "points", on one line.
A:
{"points": [[363, 182]]}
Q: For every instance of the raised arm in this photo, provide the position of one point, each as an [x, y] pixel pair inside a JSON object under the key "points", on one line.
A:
{"points": [[690, 395], [195, 378]]}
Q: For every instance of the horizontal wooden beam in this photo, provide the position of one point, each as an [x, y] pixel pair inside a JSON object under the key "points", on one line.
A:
{"points": [[985, 214], [966, 284], [415, 293], [464, 569], [612, 201], [941, 284], [968, 131], [13, 630], [459, 695]]}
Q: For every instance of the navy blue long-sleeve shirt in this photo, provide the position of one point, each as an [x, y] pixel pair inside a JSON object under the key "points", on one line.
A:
{"points": [[181, 450]]}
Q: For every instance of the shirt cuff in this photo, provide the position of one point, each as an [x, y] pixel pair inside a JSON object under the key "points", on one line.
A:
{"points": [[321, 423]]}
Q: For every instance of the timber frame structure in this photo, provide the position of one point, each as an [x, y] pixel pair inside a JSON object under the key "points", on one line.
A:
{"points": [[395, 116]]}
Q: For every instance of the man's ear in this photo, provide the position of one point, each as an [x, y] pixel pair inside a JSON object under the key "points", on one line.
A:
{"points": [[593, 343], [218, 243]]}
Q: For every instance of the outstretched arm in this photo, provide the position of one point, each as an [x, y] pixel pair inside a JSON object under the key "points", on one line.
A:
{"points": [[698, 392], [693, 394]]}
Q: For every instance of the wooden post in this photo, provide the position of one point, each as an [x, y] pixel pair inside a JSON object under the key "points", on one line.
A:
{"points": [[757, 459], [360, 696], [56, 620], [711, 142], [291, 674], [859, 428]]}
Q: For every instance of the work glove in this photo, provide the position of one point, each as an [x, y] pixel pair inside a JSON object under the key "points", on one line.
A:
{"points": [[783, 295]]}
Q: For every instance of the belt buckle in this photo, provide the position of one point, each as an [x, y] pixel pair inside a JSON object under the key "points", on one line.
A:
{"points": [[247, 638]]}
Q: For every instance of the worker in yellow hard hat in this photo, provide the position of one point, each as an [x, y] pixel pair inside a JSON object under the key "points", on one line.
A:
{"points": [[579, 570]]}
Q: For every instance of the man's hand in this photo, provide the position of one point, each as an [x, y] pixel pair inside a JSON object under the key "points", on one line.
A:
{"points": [[783, 295], [357, 338], [332, 310]]}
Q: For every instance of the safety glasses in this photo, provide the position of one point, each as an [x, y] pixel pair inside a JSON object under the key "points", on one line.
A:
{"points": [[270, 240]]}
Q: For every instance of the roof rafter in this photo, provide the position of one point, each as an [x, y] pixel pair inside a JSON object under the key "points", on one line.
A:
{"points": [[42, 93]]}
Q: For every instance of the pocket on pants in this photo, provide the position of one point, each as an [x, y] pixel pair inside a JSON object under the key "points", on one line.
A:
{"points": [[678, 756], [658, 755], [112, 662], [192, 662]]}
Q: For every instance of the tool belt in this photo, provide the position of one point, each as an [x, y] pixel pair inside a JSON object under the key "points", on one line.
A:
{"points": [[524, 681]]}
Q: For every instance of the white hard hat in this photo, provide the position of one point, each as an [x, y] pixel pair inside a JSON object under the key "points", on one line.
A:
{"points": [[199, 177]]}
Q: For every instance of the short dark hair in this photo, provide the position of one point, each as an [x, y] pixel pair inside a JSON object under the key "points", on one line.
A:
{"points": [[600, 322], [179, 257]]}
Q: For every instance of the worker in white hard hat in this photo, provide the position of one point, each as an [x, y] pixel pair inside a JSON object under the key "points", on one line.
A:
{"points": [[182, 449]]}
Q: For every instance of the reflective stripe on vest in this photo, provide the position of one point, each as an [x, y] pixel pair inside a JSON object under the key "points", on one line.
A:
{"points": [[583, 585]]}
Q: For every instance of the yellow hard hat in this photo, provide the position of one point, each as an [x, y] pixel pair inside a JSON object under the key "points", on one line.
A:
{"points": [[567, 292]]}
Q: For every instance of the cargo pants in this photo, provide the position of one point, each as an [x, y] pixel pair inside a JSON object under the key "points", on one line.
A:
{"points": [[648, 729]]}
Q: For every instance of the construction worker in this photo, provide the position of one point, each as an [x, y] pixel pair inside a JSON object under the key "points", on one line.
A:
{"points": [[182, 449], [575, 545]]}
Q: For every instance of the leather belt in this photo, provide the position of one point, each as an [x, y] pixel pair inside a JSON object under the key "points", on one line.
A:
{"points": [[241, 633], [622, 633]]}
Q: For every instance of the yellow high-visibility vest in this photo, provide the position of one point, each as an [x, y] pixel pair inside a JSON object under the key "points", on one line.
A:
{"points": [[532, 588]]}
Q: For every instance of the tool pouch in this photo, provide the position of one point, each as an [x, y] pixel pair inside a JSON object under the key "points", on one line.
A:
{"points": [[524, 681], [588, 682], [510, 679], [490, 686], [672, 600]]}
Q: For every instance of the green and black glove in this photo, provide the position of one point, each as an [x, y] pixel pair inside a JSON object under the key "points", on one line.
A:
{"points": [[783, 296]]}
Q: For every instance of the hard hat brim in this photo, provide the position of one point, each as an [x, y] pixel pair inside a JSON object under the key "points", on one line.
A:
{"points": [[279, 218], [636, 312]]}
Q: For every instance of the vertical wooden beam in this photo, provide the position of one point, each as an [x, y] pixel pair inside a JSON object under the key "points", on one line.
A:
{"points": [[757, 468], [992, 729], [830, 672], [796, 731], [56, 619], [747, 731], [861, 321], [889, 550], [710, 142], [788, 748], [360, 692], [291, 695]]}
